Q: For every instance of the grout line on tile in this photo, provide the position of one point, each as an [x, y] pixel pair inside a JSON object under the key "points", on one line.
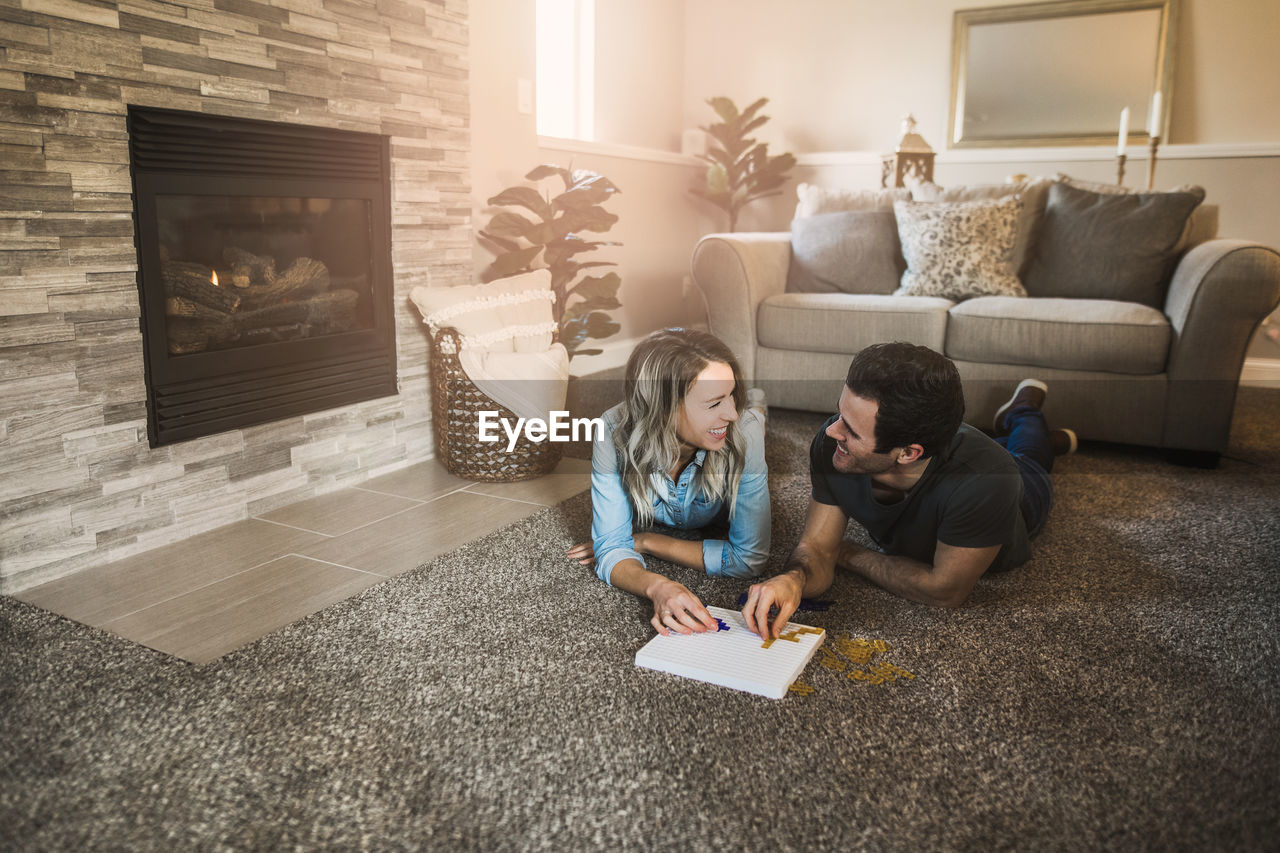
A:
{"points": [[337, 565], [395, 495], [292, 526], [418, 505], [504, 498], [189, 591]]}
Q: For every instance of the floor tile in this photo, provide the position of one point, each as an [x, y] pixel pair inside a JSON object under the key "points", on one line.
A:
{"points": [[339, 512], [205, 624], [107, 592], [423, 482], [569, 478], [411, 538]]}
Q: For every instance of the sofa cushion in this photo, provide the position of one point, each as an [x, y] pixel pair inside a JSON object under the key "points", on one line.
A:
{"points": [[956, 250], [845, 322], [1202, 225], [812, 199], [1105, 246], [1034, 193], [847, 252], [1068, 334]]}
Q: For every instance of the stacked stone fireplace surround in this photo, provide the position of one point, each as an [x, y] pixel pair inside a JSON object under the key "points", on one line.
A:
{"points": [[79, 483]]}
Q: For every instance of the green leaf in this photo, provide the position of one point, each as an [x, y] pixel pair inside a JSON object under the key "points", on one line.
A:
{"points": [[724, 108], [753, 124], [526, 197], [594, 218], [514, 262], [598, 287], [546, 171], [508, 224], [497, 245], [586, 352], [600, 325], [753, 109], [586, 306]]}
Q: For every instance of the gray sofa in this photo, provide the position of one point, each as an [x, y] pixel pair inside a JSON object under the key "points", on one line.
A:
{"points": [[1118, 371]]}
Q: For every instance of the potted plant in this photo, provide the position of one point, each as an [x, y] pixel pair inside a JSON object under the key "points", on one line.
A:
{"points": [[739, 169], [552, 237]]}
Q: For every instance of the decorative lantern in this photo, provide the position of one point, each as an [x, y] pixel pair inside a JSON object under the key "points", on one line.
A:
{"points": [[912, 158]]}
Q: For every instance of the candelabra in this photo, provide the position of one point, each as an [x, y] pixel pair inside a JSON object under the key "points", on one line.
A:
{"points": [[1120, 158]]}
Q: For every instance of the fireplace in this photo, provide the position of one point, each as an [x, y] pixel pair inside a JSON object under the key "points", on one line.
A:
{"points": [[264, 268]]}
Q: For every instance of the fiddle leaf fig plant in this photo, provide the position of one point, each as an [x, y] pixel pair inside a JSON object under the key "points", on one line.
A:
{"points": [[740, 170], [547, 231]]}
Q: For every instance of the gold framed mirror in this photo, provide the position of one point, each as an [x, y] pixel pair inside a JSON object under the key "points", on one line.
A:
{"points": [[1059, 73]]}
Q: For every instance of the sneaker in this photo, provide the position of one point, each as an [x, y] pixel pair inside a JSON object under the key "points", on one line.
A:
{"points": [[1030, 392], [756, 403], [1063, 441]]}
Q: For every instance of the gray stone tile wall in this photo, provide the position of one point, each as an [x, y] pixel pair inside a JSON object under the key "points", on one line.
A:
{"points": [[78, 483]]}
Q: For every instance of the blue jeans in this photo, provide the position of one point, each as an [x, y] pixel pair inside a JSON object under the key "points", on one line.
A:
{"points": [[1028, 443]]}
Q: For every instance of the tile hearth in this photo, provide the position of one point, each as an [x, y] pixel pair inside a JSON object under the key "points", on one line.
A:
{"points": [[215, 592]]}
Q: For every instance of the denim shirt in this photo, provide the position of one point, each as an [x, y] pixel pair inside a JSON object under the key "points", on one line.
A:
{"points": [[742, 555]]}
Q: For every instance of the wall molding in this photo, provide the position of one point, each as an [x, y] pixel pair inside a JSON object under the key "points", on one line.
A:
{"points": [[1062, 154], [614, 149], [1262, 372]]}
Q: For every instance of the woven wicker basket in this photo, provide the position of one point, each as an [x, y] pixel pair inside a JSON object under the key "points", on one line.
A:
{"points": [[456, 404]]}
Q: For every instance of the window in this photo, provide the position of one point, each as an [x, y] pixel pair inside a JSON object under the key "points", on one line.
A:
{"points": [[565, 51]]}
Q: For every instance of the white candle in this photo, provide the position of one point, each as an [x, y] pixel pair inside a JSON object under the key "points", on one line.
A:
{"points": [[1124, 130], [1153, 120]]}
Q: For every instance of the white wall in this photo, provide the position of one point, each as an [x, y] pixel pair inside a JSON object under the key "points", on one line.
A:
{"points": [[638, 90]]}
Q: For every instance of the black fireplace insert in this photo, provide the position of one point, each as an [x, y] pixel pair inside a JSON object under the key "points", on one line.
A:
{"points": [[264, 268]]}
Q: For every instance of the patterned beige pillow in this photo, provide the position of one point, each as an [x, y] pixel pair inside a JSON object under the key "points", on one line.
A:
{"points": [[812, 200], [1034, 194], [957, 250]]}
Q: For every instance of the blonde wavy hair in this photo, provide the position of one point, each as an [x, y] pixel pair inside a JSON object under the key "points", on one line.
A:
{"points": [[659, 374]]}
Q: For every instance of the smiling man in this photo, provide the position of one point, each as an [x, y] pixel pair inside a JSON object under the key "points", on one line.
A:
{"points": [[943, 502]]}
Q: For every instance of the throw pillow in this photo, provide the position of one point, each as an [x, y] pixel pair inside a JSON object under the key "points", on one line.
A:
{"points": [[1120, 189], [1108, 246], [531, 384], [1034, 194], [1201, 225], [813, 199], [959, 249], [849, 252], [508, 315]]}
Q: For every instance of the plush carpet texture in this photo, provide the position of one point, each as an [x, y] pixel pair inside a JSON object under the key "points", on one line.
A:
{"points": [[1117, 692]]}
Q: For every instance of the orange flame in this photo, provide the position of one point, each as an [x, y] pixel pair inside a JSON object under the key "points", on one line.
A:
{"points": [[214, 278]]}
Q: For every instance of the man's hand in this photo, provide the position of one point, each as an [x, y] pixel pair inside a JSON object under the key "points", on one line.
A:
{"points": [[782, 591], [677, 609]]}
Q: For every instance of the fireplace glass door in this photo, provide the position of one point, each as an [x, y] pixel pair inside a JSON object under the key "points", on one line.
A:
{"points": [[245, 270]]}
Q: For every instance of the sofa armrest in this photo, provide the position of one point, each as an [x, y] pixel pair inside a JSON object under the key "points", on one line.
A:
{"points": [[1220, 292], [736, 272]]}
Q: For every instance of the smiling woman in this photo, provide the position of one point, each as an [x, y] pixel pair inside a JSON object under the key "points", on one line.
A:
{"points": [[679, 451]]}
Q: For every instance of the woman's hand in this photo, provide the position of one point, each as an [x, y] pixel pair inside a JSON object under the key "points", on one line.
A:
{"points": [[585, 554], [677, 609]]}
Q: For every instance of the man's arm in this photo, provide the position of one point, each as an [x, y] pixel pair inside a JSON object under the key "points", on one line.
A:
{"points": [[810, 569], [947, 583]]}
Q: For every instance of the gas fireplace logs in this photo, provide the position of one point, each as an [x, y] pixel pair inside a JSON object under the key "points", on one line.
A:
{"points": [[249, 302]]}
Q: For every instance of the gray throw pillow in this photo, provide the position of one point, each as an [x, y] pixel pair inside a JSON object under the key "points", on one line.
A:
{"points": [[848, 252], [1105, 246]]}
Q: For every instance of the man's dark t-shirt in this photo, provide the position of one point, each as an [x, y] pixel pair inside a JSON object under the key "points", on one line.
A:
{"points": [[969, 496]]}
